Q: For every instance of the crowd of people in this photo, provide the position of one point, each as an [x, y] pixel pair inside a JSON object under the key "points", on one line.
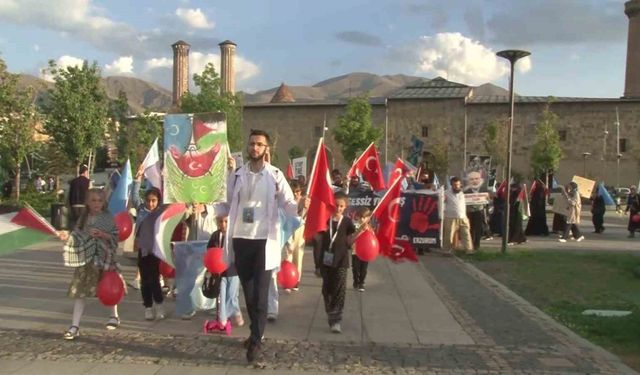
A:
{"points": [[247, 226]]}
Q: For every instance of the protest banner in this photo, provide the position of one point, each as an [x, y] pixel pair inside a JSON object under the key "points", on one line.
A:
{"points": [[195, 157]]}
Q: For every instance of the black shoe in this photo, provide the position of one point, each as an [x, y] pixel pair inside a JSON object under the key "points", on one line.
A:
{"points": [[252, 352]]}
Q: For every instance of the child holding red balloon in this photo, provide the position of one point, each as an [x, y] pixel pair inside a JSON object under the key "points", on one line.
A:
{"points": [[359, 266], [148, 264], [90, 248], [228, 305], [335, 246]]}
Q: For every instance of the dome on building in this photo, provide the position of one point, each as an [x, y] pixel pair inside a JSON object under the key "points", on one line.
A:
{"points": [[283, 95]]}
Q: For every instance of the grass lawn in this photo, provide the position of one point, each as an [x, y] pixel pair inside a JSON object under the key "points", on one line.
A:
{"points": [[564, 284]]}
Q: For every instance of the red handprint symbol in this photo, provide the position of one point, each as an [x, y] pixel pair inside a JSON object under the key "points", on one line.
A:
{"points": [[423, 207]]}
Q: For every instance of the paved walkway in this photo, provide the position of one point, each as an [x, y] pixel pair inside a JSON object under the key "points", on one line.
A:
{"points": [[439, 316]]}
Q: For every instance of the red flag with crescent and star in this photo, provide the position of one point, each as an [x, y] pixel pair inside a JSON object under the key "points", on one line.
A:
{"points": [[319, 190], [368, 164], [387, 213], [400, 170]]}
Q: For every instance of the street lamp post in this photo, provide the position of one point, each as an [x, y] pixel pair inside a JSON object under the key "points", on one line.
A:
{"points": [[618, 171], [512, 56], [585, 155]]}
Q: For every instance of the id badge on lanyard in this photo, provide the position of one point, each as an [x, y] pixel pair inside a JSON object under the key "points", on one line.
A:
{"points": [[327, 258]]}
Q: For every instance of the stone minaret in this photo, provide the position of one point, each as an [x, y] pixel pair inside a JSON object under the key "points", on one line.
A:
{"points": [[632, 78], [227, 67], [180, 70]]}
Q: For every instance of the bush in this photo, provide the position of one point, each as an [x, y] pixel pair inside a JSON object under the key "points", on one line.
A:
{"points": [[41, 202]]}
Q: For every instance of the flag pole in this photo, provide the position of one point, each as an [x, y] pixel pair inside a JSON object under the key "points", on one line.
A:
{"points": [[313, 168]]}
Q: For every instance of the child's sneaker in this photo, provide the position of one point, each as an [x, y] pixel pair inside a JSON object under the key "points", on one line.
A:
{"points": [[148, 313], [159, 311], [238, 320], [335, 328]]}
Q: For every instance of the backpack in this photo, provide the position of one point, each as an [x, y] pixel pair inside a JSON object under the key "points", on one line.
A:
{"points": [[211, 285]]}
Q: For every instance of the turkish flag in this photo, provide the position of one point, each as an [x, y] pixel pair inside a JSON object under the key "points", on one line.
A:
{"points": [[319, 191], [400, 170], [30, 218], [290, 170], [387, 213], [368, 164], [402, 250]]}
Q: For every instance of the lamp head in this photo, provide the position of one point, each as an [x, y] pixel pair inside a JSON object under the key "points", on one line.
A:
{"points": [[513, 55]]}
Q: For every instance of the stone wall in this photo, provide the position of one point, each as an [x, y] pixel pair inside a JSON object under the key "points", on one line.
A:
{"points": [[301, 125], [584, 123]]}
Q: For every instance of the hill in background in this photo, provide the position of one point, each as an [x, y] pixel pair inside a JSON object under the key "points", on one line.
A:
{"points": [[143, 95]]}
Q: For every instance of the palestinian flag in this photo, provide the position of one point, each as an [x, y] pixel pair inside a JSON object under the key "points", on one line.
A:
{"points": [[172, 214]]}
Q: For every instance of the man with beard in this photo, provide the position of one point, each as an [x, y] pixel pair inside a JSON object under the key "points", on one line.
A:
{"points": [[255, 193], [455, 220]]}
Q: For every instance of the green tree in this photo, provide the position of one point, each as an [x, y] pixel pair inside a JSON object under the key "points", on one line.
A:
{"points": [[295, 152], [77, 110], [118, 112], [209, 99], [438, 157], [18, 120], [136, 135], [495, 141], [546, 151], [354, 131]]}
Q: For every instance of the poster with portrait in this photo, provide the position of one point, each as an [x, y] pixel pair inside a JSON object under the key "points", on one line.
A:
{"points": [[299, 167], [195, 157], [237, 156], [476, 174]]}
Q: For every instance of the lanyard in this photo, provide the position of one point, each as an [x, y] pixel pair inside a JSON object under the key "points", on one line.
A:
{"points": [[334, 235]]}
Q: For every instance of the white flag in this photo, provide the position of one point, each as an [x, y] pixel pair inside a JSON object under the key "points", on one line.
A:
{"points": [[151, 166]]}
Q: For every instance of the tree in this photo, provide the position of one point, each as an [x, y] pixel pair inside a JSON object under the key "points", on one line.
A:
{"points": [[209, 99], [295, 152], [438, 157], [546, 151], [495, 141], [354, 131], [77, 110], [18, 120], [118, 112], [136, 135]]}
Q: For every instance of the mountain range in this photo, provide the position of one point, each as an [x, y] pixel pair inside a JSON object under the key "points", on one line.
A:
{"points": [[143, 95]]}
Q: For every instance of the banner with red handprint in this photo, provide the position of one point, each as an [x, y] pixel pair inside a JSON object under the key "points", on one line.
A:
{"points": [[195, 157], [419, 220]]}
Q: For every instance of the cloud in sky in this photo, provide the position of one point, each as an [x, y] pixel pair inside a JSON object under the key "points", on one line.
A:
{"points": [[245, 69], [461, 59], [62, 62], [161, 62], [122, 66], [194, 18], [359, 38]]}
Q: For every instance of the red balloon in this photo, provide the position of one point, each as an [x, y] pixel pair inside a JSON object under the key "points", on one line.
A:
{"points": [[110, 288], [213, 260], [635, 218], [124, 223], [367, 246], [166, 270], [288, 276]]}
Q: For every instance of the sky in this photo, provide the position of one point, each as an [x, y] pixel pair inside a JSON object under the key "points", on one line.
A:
{"points": [[578, 47]]}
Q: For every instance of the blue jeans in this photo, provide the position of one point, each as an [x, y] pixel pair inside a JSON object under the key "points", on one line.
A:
{"points": [[229, 305]]}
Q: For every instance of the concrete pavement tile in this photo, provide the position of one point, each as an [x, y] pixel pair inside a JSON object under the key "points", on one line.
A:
{"points": [[8, 366], [55, 368], [123, 369], [202, 370], [434, 337]]}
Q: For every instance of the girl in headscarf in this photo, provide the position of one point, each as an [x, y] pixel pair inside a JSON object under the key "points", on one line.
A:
{"points": [[516, 232]]}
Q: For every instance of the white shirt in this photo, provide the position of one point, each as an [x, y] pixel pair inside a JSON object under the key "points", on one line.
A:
{"points": [[253, 196], [454, 205]]}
